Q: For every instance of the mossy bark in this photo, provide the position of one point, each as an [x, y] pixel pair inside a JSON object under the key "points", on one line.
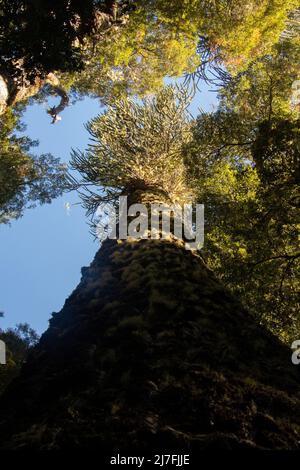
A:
{"points": [[150, 352]]}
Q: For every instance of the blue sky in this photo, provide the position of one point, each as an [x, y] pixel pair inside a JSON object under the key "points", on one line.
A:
{"points": [[41, 254]]}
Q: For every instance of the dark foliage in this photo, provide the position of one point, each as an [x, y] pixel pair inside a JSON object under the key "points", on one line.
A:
{"points": [[18, 341], [49, 43]]}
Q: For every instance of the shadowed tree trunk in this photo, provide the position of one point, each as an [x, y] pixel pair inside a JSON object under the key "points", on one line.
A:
{"points": [[150, 353]]}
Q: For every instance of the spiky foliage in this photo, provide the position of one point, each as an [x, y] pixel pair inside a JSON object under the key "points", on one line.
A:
{"points": [[136, 146]]}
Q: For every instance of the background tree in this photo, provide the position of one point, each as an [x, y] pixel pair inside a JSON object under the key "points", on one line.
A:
{"points": [[236, 31], [18, 341], [134, 59], [25, 179], [246, 159]]}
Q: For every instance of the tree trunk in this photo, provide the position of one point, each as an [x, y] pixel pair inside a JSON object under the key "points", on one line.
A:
{"points": [[12, 92], [151, 353], [3, 95]]}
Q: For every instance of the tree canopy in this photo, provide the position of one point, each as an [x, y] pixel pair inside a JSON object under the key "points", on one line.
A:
{"points": [[129, 45], [246, 157]]}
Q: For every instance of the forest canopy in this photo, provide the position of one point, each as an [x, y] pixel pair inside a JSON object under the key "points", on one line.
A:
{"points": [[130, 45]]}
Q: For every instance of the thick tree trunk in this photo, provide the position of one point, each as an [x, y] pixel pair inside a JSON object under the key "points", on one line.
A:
{"points": [[151, 353]]}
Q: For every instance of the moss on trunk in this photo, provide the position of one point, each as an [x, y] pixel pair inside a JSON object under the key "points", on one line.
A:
{"points": [[150, 352]]}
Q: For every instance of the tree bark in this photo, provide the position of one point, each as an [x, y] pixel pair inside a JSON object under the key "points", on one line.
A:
{"points": [[12, 93], [3, 95], [151, 353]]}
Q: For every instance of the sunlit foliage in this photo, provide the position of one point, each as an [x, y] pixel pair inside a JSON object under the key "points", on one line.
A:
{"points": [[25, 179], [137, 147], [246, 157]]}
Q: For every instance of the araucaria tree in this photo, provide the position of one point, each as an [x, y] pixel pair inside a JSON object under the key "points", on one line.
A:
{"points": [[136, 150], [150, 352]]}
